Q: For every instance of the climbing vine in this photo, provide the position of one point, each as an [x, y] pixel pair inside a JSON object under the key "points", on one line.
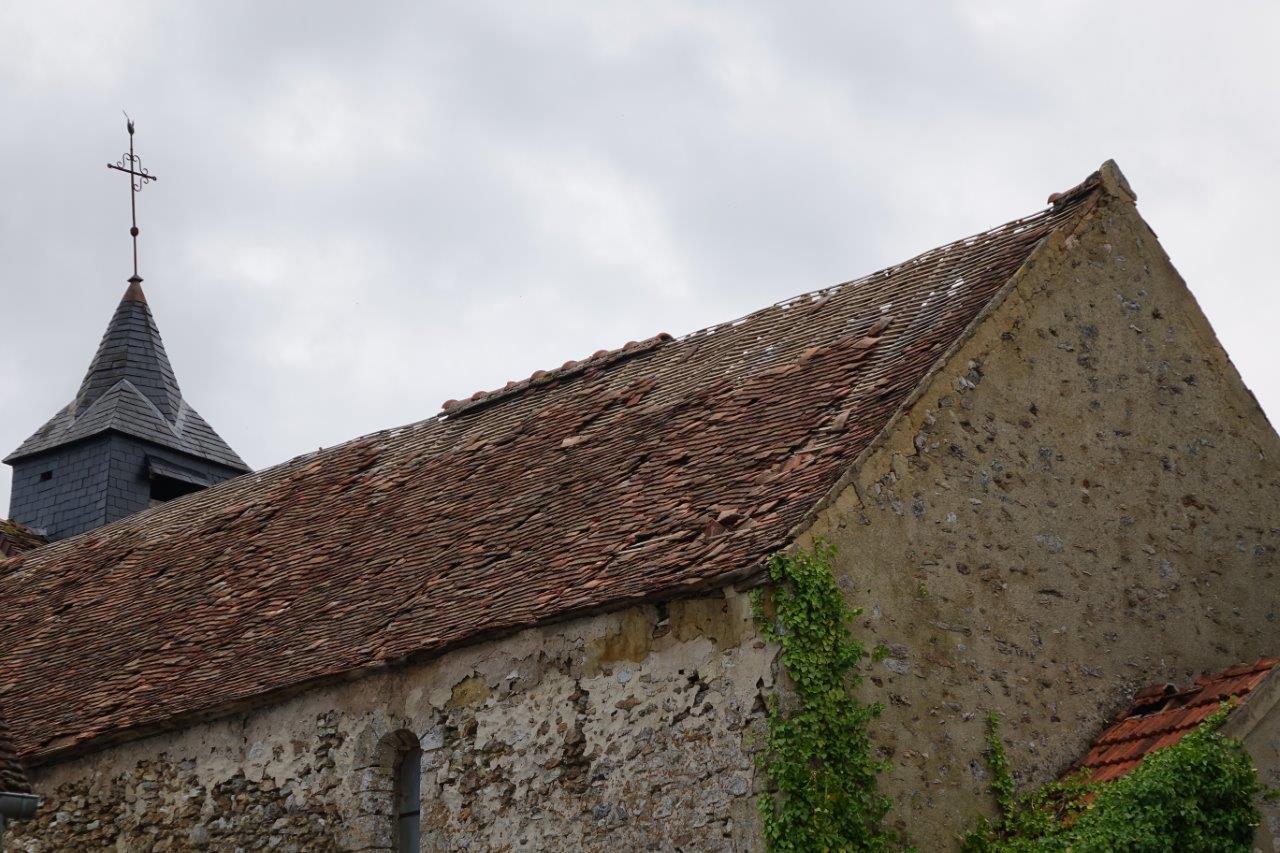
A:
{"points": [[818, 756], [1199, 794]]}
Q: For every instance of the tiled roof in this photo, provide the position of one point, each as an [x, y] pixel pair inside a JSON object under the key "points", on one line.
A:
{"points": [[12, 778], [130, 388], [16, 538], [650, 471], [1162, 715]]}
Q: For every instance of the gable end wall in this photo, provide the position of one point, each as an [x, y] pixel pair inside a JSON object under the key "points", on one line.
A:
{"points": [[1084, 500]]}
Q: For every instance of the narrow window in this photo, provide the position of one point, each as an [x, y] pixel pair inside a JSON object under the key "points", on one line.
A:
{"points": [[408, 797], [46, 476]]}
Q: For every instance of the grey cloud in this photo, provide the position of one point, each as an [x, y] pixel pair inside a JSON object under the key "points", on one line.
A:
{"points": [[366, 209]]}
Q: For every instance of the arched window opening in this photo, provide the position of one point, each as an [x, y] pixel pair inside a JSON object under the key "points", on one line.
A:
{"points": [[408, 793]]}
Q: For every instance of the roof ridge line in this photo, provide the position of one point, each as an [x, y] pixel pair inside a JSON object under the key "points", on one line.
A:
{"points": [[1089, 184], [600, 358], [155, 410], [76, 418]]}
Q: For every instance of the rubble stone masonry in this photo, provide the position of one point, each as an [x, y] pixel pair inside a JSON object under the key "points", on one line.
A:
{"points": [[1084, 500], [629, 731]]}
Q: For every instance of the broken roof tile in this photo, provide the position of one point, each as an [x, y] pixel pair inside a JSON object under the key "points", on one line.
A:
{"points": [[1161, 715]]}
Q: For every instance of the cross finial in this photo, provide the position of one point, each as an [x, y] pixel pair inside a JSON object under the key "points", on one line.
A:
{"points": [[131, 164]]}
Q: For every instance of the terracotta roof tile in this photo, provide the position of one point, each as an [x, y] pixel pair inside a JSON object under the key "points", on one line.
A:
{"points": [[16, 538], [1160, 718], [13, 780], [644, 472]]}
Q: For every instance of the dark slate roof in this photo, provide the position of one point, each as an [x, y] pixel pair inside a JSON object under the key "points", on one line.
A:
{"points": [[642, 473], [1162, 715], [16, 538], [13, 780], [130, 388]]}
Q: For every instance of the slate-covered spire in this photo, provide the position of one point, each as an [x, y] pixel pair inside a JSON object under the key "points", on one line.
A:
{"points": [[126, 440], [131, 349]]}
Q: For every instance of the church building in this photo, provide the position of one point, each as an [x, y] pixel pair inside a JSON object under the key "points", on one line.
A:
{"points": [[524, 622]]}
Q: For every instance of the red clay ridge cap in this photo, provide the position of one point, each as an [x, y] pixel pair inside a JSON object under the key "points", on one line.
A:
{"points": [[599, 358]]}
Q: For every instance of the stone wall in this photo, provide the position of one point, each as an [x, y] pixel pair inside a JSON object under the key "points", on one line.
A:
{"points": [[633, 730], [1083, 501]]}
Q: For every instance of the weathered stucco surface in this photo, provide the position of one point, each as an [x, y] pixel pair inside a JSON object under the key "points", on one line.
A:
{"points": [[632, 730], [1084, 500]]}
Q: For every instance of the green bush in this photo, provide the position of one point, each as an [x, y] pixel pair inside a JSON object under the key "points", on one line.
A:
{"points": [[1200, 794]]}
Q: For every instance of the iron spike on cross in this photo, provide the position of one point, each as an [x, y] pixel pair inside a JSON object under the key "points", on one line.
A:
{"points": [[131, 164]]}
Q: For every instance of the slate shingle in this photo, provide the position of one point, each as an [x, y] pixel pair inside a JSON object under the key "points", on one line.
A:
{"points": [[130, 388]]}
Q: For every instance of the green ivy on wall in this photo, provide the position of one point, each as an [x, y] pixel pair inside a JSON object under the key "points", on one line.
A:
{"points": [[1199, 794], [818, 756]]}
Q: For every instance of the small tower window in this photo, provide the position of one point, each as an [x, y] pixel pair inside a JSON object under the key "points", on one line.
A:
{"points": [[169, 481], [46, 476], [408, 795]]}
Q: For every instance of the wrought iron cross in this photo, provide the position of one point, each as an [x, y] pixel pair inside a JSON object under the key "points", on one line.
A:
{"points": [[131, 164]]}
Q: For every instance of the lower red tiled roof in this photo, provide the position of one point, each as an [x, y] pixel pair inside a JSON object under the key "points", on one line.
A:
{"points": [[646, 472], [16, 538], [1162, 715]]}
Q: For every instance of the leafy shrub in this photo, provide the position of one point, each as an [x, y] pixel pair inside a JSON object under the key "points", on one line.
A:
{"points": [[1200, 794]]}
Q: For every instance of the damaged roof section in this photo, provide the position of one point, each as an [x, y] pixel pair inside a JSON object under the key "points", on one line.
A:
{"points": [[1162, 715], [646, 472]]}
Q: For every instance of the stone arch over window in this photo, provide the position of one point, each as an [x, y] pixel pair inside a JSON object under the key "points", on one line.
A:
{"points": [[407, 791], [390, 801]]}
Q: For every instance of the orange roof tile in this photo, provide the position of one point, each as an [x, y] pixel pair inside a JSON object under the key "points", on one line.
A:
{"points": [[1162, 717], [647, 472]]}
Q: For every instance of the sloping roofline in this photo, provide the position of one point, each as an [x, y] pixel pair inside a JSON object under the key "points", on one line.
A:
{"points": [[651, 472]]}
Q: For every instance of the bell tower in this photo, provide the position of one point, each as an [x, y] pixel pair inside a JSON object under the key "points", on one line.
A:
{"points": [[128, 439]]}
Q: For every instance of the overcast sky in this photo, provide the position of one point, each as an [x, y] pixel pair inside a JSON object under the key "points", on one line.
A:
{"points": [[368, 208]]}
